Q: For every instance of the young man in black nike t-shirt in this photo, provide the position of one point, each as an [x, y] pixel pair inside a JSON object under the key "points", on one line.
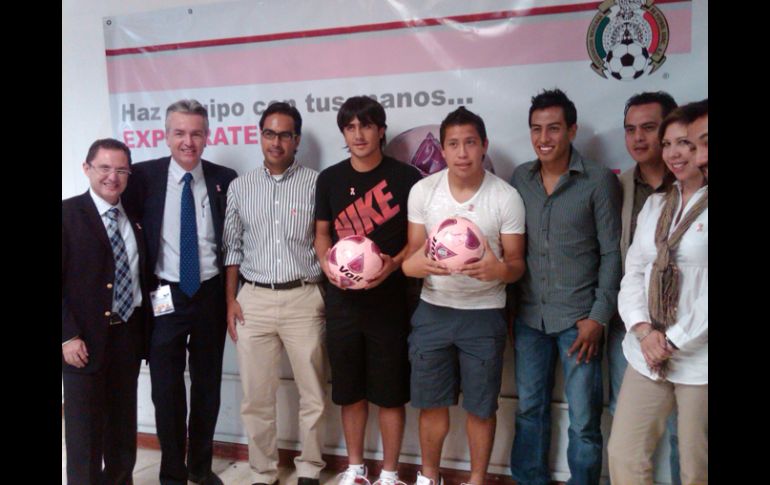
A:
{"points": [[367, 330]]}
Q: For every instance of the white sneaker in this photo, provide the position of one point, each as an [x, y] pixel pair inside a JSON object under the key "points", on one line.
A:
{"points": [[388, 481], [423, 480], [350, 477]]}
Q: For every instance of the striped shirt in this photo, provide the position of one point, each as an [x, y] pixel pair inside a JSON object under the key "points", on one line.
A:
{"points": [[269, 226], [573, 245]]}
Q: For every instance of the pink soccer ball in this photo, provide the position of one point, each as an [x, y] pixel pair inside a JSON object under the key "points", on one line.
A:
{"points": [[354, 260], [455, 242]]}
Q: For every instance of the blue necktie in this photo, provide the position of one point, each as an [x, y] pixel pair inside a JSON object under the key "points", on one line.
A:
{"points": [[123, 293], [189, 267]]}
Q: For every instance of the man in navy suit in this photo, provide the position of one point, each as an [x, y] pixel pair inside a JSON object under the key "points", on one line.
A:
{"points": [[104, 321], [181, 202]]}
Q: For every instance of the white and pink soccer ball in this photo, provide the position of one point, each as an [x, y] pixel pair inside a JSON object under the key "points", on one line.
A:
{"points": [[455, 242], [354, 260]]}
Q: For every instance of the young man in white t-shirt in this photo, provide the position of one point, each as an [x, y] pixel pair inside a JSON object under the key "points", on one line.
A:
{"points": [[458, 330]]}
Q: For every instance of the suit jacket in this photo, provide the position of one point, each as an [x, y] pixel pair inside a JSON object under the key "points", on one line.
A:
{"points": [[146, 196], [627, 186], [88, 277]]}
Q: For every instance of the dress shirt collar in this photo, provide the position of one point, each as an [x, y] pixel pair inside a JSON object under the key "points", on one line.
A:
{"points": [[176, 172], [697, 192], [286, 173], [575, 163], [102, 206], [668, 179]]}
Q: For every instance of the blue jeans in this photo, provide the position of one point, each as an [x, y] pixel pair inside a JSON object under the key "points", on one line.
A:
{"points": [[536, 354], [617, 364]]}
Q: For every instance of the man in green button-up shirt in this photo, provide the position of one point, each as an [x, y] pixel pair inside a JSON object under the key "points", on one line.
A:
{"points": [[568, 294]]}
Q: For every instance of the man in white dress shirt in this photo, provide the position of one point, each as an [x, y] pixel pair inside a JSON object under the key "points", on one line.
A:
{"points": [[181, 201], [268, 244]]}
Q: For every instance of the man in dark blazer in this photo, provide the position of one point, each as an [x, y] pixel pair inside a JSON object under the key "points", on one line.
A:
{"points": [[104, 321], [181, 203]]}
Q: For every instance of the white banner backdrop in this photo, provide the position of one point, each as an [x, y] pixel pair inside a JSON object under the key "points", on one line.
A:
{"points": [[421, 59]]}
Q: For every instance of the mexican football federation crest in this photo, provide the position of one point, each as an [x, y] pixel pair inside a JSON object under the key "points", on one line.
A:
{"points": [[627, 38]]}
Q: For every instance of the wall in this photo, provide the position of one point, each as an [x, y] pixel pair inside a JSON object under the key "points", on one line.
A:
{"points": [[85, 104]]}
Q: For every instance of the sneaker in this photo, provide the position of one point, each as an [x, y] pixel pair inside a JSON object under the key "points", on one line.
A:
{"points": [[422, 480], [388, 481], [350, 477]]}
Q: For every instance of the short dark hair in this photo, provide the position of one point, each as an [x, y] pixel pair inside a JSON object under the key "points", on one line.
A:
{"points": [[679, 115], [284, 109], [554, 97], [665, 100], [107, 144], [367, 110], [463, 116], [696, 109]]}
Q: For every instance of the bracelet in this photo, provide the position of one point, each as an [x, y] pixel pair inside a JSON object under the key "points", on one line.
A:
{"points": [[645, 334]]}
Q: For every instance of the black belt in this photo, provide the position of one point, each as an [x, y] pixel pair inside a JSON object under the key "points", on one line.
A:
{"points": [[175, 284], [277, 286]]}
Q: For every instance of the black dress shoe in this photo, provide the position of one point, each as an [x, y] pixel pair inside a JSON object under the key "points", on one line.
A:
{"points": [[308, 481], [276, 482], [211, 479]]}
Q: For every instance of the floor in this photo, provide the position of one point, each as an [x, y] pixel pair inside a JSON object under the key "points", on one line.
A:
{"points": [[231, 472]]}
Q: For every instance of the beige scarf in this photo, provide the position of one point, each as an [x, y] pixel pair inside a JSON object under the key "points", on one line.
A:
{"points": [[663, 298]]}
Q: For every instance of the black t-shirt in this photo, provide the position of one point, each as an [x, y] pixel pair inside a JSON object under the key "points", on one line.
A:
{"points": [[371, 204]]}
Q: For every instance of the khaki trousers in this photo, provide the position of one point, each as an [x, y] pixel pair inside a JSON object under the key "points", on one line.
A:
{"points": [[275, 319], [640, 420]]}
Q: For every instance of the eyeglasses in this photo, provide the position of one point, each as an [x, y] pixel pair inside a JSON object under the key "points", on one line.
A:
{"points": [[283, 136], [122, 172]]}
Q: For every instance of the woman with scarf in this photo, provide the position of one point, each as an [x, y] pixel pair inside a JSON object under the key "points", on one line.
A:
{"points": [[664, 301]]}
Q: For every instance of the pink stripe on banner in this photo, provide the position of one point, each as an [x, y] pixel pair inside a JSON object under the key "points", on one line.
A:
{"points": [[355, 29], [377, 54], [351, 29]]}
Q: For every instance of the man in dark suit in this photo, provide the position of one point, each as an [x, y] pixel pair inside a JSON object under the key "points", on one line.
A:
{"points": [[181, 203], [104, 321]]}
